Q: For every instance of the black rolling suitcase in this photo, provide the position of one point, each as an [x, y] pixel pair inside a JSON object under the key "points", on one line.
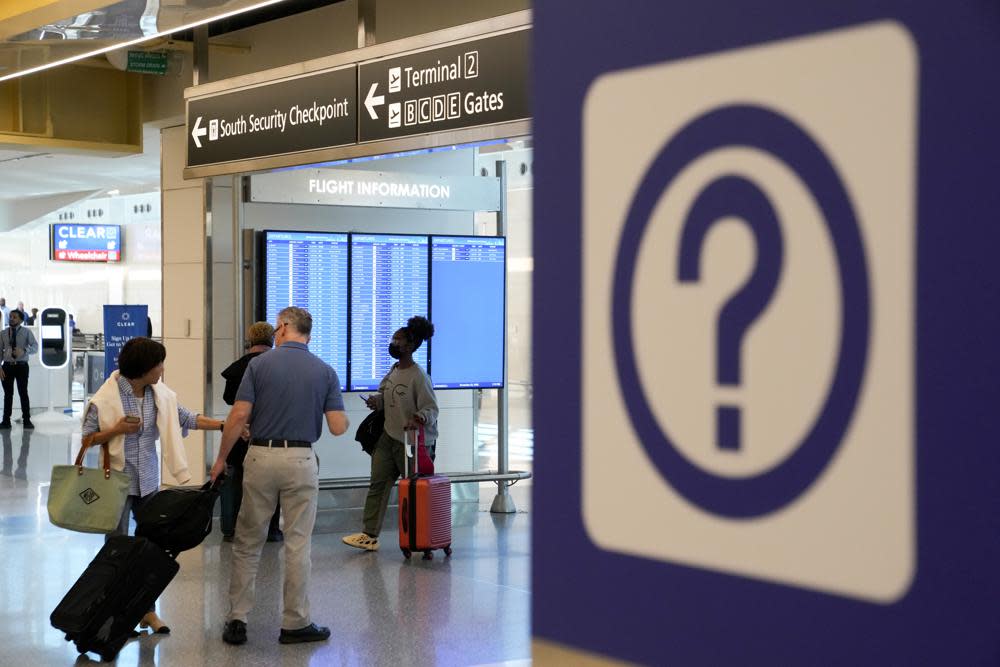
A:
{"points": [[112, 595]]}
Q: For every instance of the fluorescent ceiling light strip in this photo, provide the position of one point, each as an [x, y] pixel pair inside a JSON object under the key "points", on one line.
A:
{"points": [[138, 40]]}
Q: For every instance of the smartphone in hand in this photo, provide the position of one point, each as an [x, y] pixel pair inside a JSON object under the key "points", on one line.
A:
{"points": [[132, 419], [363, 397]]}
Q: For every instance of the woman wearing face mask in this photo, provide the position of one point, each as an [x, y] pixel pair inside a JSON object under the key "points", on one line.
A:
{"points": [[407, 396]]}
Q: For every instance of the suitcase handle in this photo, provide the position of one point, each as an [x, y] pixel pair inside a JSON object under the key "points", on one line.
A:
{"points": [[410, 449], [214, 486]]}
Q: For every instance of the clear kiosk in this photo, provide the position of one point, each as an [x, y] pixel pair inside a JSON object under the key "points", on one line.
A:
{"points": [[53, 381]]}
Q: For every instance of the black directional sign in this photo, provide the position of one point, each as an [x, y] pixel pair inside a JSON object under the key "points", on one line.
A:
{"points": [[479, 82], [307, 113]]}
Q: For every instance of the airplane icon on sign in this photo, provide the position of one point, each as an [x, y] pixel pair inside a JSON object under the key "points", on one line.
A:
{"points": [[394, 79]]}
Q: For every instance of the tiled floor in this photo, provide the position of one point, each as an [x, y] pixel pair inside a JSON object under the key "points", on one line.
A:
{"points": [[471, 609]]}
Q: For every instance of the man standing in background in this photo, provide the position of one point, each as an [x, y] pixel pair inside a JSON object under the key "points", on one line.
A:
{"points": [[16, 344], [284, 396]]}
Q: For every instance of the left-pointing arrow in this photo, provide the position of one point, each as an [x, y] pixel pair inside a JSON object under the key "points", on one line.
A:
{"points": [[373, 101], [198, 131]]}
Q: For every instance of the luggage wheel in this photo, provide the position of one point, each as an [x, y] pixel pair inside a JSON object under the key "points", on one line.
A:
{"points": [[406, 552], [428, 555], [447, 550]]}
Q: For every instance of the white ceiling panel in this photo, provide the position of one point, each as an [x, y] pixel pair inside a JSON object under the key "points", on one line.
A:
{"points": [[34, 174]]}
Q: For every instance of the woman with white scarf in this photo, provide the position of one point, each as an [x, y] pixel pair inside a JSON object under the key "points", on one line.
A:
{"points": [[131, 411]]}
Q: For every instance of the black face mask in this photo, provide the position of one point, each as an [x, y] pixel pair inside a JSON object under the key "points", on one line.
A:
{"points": [[394, 351]]}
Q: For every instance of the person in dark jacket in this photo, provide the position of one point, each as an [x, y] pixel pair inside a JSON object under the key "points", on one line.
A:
{"points": [[260, 336], [17, 343]]}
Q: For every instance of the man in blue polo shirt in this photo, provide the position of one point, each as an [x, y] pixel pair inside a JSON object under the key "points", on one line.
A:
{"points": [[284, 396]]}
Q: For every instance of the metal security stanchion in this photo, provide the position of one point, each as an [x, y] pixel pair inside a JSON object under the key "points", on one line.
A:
{"points": [[502, 503]]}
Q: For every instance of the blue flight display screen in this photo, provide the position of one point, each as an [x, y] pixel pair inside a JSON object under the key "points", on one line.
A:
{"points": [[468, 297], [389, 276], [309, 270]]}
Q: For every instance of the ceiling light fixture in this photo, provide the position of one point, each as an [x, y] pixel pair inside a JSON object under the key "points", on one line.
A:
{"points": [[138, 40]]}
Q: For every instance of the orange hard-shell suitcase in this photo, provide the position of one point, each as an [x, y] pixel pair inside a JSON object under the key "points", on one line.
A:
{"points": [[424, 509]]}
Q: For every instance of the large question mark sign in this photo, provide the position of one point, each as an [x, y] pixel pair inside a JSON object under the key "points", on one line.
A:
{"points": [[762, 129], [733, 196]]}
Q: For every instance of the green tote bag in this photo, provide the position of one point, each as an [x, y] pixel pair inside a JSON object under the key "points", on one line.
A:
{"points": [[87, 500]]}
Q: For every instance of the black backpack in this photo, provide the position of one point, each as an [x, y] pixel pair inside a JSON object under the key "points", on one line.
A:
{"points": [[370, 430], [178, 519]]}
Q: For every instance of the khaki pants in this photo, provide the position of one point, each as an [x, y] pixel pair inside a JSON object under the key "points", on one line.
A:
{"points": [[270, 475]]}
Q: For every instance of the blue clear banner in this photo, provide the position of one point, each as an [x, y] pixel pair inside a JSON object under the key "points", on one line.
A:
{"points": [[121, 324], [86, 243]]}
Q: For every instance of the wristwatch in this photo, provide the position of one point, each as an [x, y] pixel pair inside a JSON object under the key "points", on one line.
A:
{"points": [[222, 426]]}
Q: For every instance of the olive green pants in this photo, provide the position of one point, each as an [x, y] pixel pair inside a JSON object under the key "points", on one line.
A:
{"points": [[387, 467]]}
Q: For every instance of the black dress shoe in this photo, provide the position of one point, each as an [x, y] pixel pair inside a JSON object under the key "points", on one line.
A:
{"points": [[5, 423], [310, 633], [235, 633], [27, 424]]}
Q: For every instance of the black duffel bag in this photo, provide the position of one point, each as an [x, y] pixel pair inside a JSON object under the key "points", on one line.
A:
{"points": [[178, 519]]}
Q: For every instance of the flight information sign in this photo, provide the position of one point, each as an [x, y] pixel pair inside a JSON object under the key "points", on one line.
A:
{"points": [[389, 278], [310, 270], [467, 296]]}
